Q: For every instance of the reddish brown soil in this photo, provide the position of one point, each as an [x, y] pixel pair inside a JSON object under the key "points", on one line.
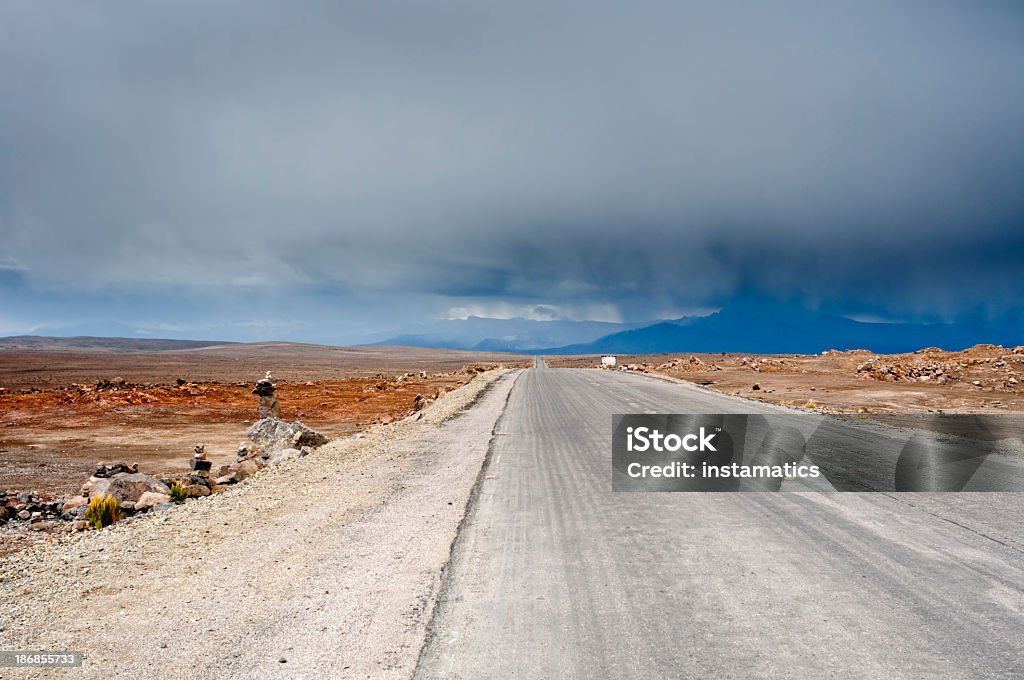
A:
{"points": [[56, 423], [856, 381]]}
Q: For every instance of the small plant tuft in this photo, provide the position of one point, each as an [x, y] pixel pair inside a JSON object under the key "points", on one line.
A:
{"points": [[102, 511], [810, 404], [178, 494]]}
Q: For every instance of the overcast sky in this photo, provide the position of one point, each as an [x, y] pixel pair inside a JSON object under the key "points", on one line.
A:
{"points": [[328, 171]]}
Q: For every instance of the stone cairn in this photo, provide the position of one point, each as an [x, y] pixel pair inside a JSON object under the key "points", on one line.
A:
{"points": [[199, 463], [274, 441], [268, 408]]}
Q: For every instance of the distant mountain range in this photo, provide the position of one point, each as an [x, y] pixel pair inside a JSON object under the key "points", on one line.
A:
{"points": [[41, 342], [754, 327], [751, 326], [506, 335], [785, 329]]}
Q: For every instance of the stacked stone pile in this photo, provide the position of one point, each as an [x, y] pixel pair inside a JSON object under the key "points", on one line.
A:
{"points": [[273, 441]]}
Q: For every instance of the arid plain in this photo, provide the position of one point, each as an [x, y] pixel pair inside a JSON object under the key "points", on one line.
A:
{"points": [[67, 404]]}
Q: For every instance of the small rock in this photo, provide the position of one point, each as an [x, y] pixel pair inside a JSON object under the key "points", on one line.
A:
{"points": [[281, 455], [201, 478], [269, 407], [264, 386], [200, 465], [245, 469], [194, 490], [150, 499], [105, 469], [76, 502]]}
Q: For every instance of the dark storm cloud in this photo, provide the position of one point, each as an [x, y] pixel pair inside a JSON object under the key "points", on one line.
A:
{"points": [[650, 156]]}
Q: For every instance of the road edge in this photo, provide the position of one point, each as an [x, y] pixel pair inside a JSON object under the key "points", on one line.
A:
{"points": [[445, 583]]}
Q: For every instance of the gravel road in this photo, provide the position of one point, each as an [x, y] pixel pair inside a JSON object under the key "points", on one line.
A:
{"points": [[328, 566], [556, 576]]}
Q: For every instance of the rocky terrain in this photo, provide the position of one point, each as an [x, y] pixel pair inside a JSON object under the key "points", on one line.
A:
{"points": [[54, 435], [345, 544], [984, 378], [50, 437]]}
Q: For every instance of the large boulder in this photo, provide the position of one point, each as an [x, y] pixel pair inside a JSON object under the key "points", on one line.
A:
{"points": [[127, 487], [272, 434]]}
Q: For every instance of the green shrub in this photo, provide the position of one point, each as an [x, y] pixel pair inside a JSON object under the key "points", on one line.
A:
{"points": [[102, 511], [178, 493]]}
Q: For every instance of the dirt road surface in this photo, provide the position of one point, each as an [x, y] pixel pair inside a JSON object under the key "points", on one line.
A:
{"points": [[556, 576]]}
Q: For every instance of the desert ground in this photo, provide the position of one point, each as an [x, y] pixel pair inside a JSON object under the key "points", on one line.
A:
{"points": [[981, 379], [66, 405]]}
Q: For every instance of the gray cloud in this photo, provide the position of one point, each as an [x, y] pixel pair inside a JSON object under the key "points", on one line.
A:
{"points": [[396, 159]]}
